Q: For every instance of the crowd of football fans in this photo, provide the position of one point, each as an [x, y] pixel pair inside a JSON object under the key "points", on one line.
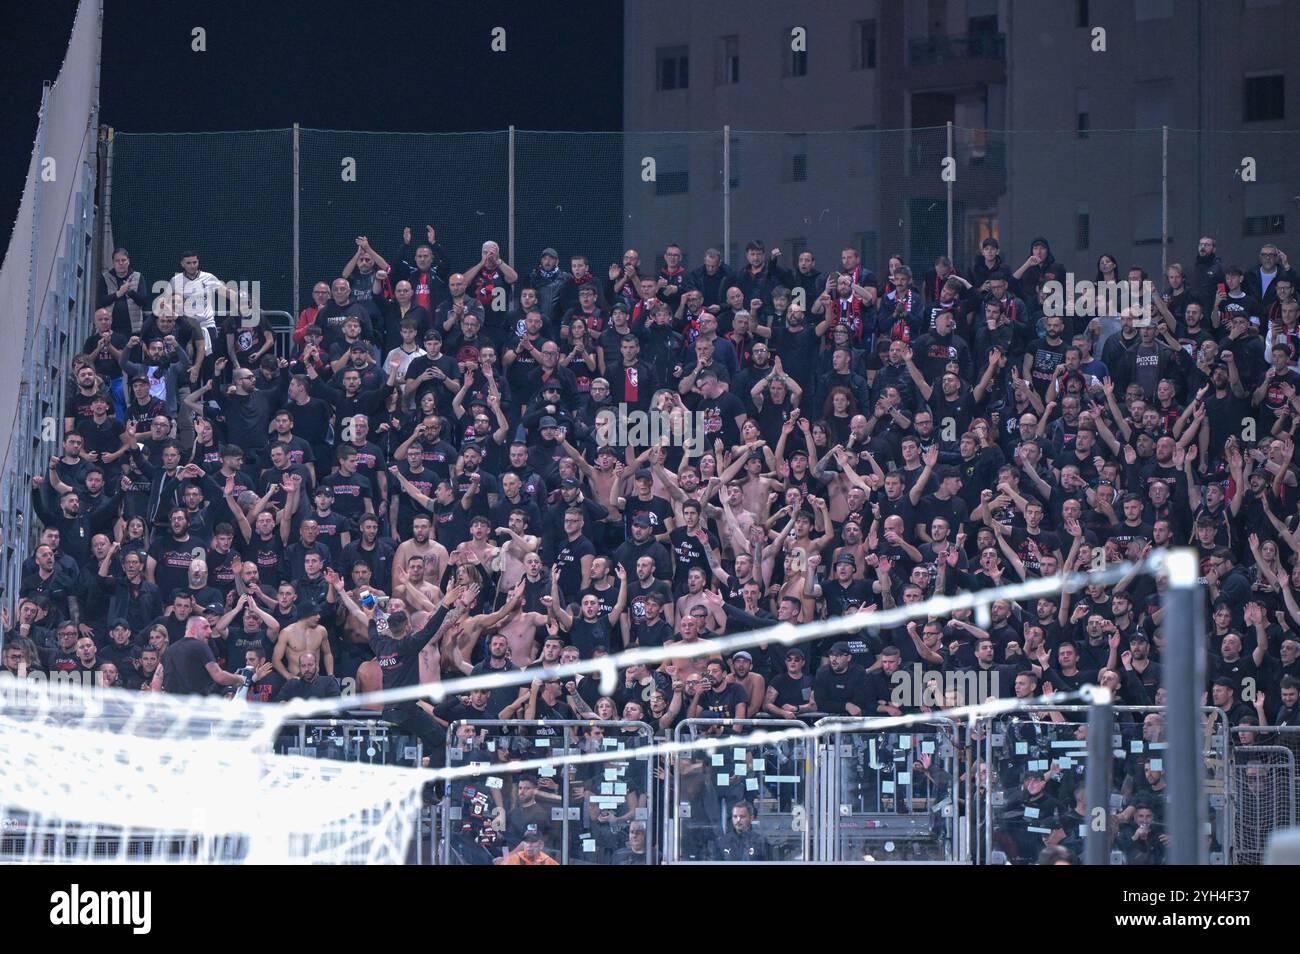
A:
{"points": [[442, 472]]}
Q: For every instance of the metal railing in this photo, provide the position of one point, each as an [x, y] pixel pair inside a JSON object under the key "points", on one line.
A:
{"points": [[776, 779], [1031, 742], [589, 812], [888, 796]]}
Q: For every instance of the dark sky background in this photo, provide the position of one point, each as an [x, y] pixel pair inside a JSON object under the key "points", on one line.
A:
{"points": [[371, 65]]}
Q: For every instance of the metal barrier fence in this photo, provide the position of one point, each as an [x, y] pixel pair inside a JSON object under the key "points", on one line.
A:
{"points": [[1021, 815], [359, 740], [283, 206], [592, 813], [888, 796], [1265, 787], [47, 283], [776, 779]]}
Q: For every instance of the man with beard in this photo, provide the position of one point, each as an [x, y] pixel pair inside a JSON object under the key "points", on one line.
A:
{"points": [[723, 699], [840, 686]]}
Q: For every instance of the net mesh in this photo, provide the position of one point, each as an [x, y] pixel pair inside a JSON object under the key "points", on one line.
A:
{"points": [[143, 777], [227, 196]]}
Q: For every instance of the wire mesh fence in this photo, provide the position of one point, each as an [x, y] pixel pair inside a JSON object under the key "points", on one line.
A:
{"points": [[1143, 196]]}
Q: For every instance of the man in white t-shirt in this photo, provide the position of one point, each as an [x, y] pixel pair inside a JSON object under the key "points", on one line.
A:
{"points": [[200, 291]]}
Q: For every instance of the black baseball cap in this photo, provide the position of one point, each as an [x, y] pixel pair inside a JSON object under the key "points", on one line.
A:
{"points": [[840, 648]]}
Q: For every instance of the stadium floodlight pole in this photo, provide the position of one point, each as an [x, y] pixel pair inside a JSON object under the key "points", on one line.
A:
{"points": [[1101, 723], [1184, 676]]}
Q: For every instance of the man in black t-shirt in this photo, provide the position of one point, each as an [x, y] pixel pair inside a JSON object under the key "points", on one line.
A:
{"points": [[723, 699], [840, 686], [189, 668], [397, 651]]}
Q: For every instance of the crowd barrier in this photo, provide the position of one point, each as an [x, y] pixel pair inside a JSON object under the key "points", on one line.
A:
{"points": [[1264, 789], [585, 813], [888, 796], [1013, 827]]}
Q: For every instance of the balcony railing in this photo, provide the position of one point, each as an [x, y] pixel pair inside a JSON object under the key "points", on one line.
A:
{"points": [[948, 49]]}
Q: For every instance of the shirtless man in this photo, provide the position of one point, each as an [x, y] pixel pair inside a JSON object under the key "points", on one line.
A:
{"points": [[695, 595], [516, 546], [422, 542], [737, 520], [414, 578], [306, 635], [478, 549], [354, 630], [684, 667], [604, 476], [755, 489]]}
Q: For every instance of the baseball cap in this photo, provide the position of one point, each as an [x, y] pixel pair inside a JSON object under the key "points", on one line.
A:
{"points": [[795, 651], [643, 474], [210, 608], [551, 386], [119, 622], [742, 655], [550, 251], [432, 333], [798, 453], [641, 520], [548, 421], [840, 648], [846, 558], [570, 482]]}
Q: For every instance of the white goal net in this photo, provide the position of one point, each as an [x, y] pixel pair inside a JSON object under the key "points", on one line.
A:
{"points": [[109, 776]]}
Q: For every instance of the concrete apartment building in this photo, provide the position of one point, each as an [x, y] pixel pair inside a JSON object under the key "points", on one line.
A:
{"points": [[842, 142]]}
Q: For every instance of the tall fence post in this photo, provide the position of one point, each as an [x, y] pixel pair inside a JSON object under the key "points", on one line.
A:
{"points": [[726, 193], [951, 177], [510, 211], [1184, 659], [297, 284], [1164, 200], [1096, 847]]}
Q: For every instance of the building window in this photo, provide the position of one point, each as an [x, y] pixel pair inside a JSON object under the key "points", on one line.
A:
{"points": [[673, 174], [728, 60], [672, 68], [1082, 231], [864, 45], [794, 165], [1265, 98], [795, 62], [1263, 225]]}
